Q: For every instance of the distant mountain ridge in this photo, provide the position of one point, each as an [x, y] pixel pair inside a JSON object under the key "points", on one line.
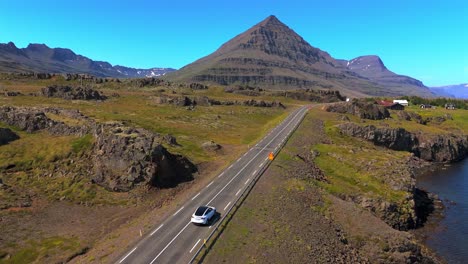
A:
{"points": [[271, 55], [456, 91], [373, 68], [41, 58]]}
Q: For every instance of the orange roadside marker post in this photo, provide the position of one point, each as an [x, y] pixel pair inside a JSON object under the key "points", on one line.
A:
{"points": [[271, 156]]}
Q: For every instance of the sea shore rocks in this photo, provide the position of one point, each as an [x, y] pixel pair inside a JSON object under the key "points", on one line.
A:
{"points": [[437, 148]]}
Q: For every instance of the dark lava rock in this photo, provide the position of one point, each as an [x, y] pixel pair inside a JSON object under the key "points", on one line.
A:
{"points": [[6, 136], [72, 93], [438, 148], [311, 95], [411, 116], [127, 156], [442, 148], [12, 93], [206, 101], [198, 86], [262, 103], [363, 109], [396, 139], [143, 82], [28, 119]]}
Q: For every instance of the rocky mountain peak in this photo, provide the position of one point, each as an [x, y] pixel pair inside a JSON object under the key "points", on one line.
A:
{"points": [[367, 63], [272, 37], [37, 47], [271, 21], [10, 45]]}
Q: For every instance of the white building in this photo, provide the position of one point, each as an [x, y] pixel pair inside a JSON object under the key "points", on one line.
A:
{"points": [[402, 102]]}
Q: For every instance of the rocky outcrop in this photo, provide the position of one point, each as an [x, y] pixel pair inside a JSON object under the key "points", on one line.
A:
{"points": [[34, 119], [144, 82], [206, 101], [72, 93], [438, 148], [362, 109], [398, 216], [396, 139], [321, 96], [6, 136], [198, 86], [411, 116], [125, 157], [12, 93], [442, 148], [27, 119]]}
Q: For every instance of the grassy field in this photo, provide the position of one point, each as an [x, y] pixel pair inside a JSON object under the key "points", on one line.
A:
{"points": [[226, 125], [49, 171]]}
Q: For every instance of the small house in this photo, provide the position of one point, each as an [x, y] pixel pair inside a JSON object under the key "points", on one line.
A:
{"points": [[390, 105], [450, 106], [426, 106], [402, 102]]}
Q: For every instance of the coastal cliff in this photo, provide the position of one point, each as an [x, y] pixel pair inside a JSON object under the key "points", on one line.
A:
{"points": [[436, 148]]}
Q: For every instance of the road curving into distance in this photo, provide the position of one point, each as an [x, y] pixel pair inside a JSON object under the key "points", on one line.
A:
{"points": [[176, 240]]}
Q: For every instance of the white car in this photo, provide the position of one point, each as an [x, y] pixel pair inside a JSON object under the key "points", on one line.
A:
{"points": [[203, 215]]}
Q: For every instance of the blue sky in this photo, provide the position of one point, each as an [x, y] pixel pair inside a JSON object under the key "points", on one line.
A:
{"points": [[427, 40]]}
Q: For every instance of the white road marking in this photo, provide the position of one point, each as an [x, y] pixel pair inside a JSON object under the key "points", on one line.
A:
{"points": [[237, 174], [156, 230], [238, 191], [180, 232], [164, 249], [230, 167], [209, 184], [226, 206], [126, 256], [178, 211], [255, 172], [247, 181], [195, 245], [195, 196], [222, 173], [260, 165], [244, 154]]}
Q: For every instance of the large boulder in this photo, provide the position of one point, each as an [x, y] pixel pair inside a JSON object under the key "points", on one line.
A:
{"points": [[6, 136], [72, 93], [125, 157], [362, 109], [211, 146]]}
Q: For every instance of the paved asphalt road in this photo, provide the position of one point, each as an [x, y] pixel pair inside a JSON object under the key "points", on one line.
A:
{"points": [[176, 240]]}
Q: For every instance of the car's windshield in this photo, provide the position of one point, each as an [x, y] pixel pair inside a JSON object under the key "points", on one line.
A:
{"points": [[200, 210]]}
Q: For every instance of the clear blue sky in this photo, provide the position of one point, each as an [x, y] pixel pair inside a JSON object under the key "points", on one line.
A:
{"points": [[427, 40]]}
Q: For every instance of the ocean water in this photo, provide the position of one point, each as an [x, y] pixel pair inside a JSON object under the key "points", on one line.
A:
{"points": [[450, 238]]}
